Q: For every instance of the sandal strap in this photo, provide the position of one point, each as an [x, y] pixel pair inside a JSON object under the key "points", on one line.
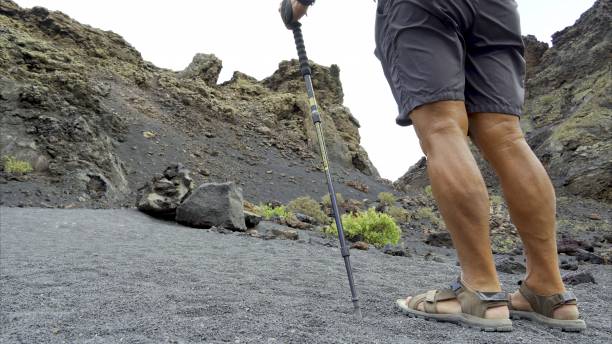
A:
{"points": [[546, 305], [477, 303], [430, 300]]}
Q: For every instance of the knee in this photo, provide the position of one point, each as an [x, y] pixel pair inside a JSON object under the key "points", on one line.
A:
{"points": [[439, 134], [501, 136]]}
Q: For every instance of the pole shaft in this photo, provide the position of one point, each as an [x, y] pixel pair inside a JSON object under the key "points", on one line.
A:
{"points": [[316, 118]]}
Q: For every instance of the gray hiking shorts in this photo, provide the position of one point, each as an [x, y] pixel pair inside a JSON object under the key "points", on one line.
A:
{"points": [[470, 50]]}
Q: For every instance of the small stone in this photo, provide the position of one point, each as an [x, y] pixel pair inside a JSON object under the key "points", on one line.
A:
{"points": [[442, 239], [264, 130], [567, 265], [305, 218], [288, 234], [395, 250], [586, 256], [595, 217], [293, 222], [431, 256], [252, 232], [271, 230], [510, 266], [358, 186], [575, 278], [361, 245], [251, 219]]}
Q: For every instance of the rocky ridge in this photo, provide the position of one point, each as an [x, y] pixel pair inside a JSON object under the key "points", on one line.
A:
{"points": [[95, 121]]}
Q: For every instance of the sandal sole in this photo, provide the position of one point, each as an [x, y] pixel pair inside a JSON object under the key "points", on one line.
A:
{"points": [[563, 325], [462, 319]]}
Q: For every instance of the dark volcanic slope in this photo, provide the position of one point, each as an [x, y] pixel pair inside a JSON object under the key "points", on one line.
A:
{"points": [[568, 110], [109, 276], [95, 120]]}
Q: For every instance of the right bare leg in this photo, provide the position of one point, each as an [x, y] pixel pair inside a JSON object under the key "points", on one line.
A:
{"points": [[531, 201]]}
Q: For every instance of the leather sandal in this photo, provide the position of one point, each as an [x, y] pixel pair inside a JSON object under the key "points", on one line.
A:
{"points": [[474, 305], [543, 308]]}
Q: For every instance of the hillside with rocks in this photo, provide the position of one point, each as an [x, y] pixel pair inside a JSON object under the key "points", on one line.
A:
{"points": [[95, 121], [102, 128]]}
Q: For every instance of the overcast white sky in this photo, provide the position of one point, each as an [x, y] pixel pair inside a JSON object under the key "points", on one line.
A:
{"points": [[248, 35]]}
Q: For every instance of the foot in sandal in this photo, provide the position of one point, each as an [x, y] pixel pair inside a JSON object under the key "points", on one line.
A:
{"points": [[554, 311], [461, 305]]}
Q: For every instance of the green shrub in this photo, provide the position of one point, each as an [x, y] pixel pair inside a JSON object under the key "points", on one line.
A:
{"points": [[12, 165], [399, 214], [326, 200], [268, 212], [308, 206], [370, 226], [496, 200], [426, 213], [428, 191], [386, 198]]}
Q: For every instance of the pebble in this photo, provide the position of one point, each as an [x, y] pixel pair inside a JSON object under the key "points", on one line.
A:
{"points": [[361, 245], [576, 278]]}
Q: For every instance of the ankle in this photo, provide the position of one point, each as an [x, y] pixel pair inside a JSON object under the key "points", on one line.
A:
{"points": [[544, 288], [481, 284]]}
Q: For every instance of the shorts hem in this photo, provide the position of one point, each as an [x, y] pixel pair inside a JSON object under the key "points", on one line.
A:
{"points": [[403, 119], [493, 108]]}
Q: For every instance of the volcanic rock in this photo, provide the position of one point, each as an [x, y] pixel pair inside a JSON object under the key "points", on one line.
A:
{"points": [[213, 205], [361, 245], [164, 193], [271, 230], [510, 266], [206, 67], [442, 239], [395, 250], [576, 278], [251, 219]]}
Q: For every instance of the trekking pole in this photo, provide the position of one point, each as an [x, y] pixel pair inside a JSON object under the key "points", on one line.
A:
{"points": [[287, 14]]}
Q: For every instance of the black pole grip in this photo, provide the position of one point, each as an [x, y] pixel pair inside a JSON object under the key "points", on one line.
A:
{"points": [[301, 49]]}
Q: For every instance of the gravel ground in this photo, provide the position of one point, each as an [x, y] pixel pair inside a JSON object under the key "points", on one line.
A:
{"points": [[109, 276]]}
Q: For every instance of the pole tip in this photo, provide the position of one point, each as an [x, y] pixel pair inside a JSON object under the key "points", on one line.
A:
{"points": [[357, 314]]}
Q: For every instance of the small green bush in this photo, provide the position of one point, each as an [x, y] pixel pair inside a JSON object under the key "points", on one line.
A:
{"points": [[326, 200], [370, 226], [426, 213], [496, 200], [428, 191], [12, 165], [399, 214], [308, 206], [268, 212], [386, 198]]}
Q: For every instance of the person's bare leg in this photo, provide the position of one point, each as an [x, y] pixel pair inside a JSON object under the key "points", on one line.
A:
{"points": [[461, 193], [531, 201]]}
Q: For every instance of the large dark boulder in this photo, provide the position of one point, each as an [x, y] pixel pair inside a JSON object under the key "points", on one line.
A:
{"points": [[213, 205]]}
